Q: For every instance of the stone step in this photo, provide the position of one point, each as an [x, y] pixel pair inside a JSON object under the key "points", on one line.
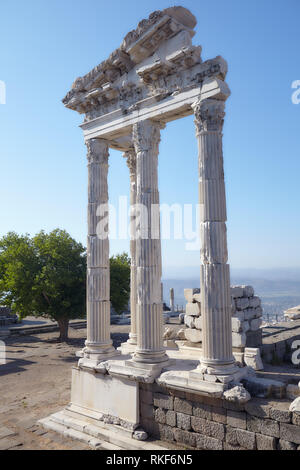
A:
{"points": [[52, 425], [95, 433]]}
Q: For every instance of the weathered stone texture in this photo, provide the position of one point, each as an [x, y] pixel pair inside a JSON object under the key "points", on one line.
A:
{"points": [[183, 406], [184, 421], [163, 401], [208, 428]]}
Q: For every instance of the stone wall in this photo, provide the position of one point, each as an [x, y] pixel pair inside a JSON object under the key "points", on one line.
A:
{"points": [[213, 424], [246, 317]]}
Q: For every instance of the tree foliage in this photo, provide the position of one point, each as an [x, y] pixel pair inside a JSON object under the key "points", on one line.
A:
{"points": [[120, 281], [46, 276], [43, 276]]}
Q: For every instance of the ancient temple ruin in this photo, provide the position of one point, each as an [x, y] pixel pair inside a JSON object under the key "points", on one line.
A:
{"points": [[155, 76]]}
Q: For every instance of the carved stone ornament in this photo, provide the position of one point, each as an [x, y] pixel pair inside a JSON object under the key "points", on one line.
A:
{"points": [[209, 115], [146, 135], [97, 151]]}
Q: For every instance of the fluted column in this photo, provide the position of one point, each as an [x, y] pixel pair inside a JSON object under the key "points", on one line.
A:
{"points": [[98, 343], [131, 163], [215, 276], [146, 137]]}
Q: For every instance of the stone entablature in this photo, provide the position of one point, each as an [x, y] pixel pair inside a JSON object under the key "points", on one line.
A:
{"points": [[161, 66]]}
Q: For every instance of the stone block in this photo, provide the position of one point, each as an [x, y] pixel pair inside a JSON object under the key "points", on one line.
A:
{"points": [[188, 294], [189, 321], [183, 406], [208, 428], [269, 427], [254, 302], [254, 423], [198, 323], [245, 326], [163, 401], [208, 443], [193, 309], [171, 418], [265, 442], [219, 414], [237, 419], [237, 325], [290, 432], [239, 340], [248, 291], [185, 437], [242, 303], [239, 315], [281, 413], [230, 436], [202, 410], [160, 416], [296, 419], [166, 433], [184, 421], [252, 358], [250, 314], [197, 298], [246, 439], [193, 335], [236, 291], [258, 312], [286, 445], [255, 324]]}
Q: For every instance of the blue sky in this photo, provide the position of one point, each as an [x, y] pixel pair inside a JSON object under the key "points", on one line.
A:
{"points": [[45, 45]]}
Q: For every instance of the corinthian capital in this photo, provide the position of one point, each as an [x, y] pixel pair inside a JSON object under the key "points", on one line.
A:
{"points": [[130, 156], [146, 135], [97, 151], [209, 115]]}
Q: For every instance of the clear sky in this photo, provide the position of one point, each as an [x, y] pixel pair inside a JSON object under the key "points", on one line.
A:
{"points": [[45, 45]]}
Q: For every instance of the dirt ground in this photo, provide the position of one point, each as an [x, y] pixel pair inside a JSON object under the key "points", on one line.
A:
{"points": [[35, 382]]}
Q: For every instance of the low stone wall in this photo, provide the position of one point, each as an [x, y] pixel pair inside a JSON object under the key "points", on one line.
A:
{"points": [[199, 422]]}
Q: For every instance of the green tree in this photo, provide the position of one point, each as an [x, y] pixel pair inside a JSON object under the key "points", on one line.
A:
{"points": [[44, 276], [119, 281]]}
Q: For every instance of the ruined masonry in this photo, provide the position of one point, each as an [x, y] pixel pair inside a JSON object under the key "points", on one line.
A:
{"points": [[155, 76], [246, 324]]}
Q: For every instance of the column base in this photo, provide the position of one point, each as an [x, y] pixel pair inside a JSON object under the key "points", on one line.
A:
{"points": [[147, 361], [91, 355], [222, 374]]}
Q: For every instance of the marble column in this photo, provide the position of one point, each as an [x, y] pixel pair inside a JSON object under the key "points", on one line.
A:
{"points": [[150, 350], [217, 357], [131, 163], [98, 344]]}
